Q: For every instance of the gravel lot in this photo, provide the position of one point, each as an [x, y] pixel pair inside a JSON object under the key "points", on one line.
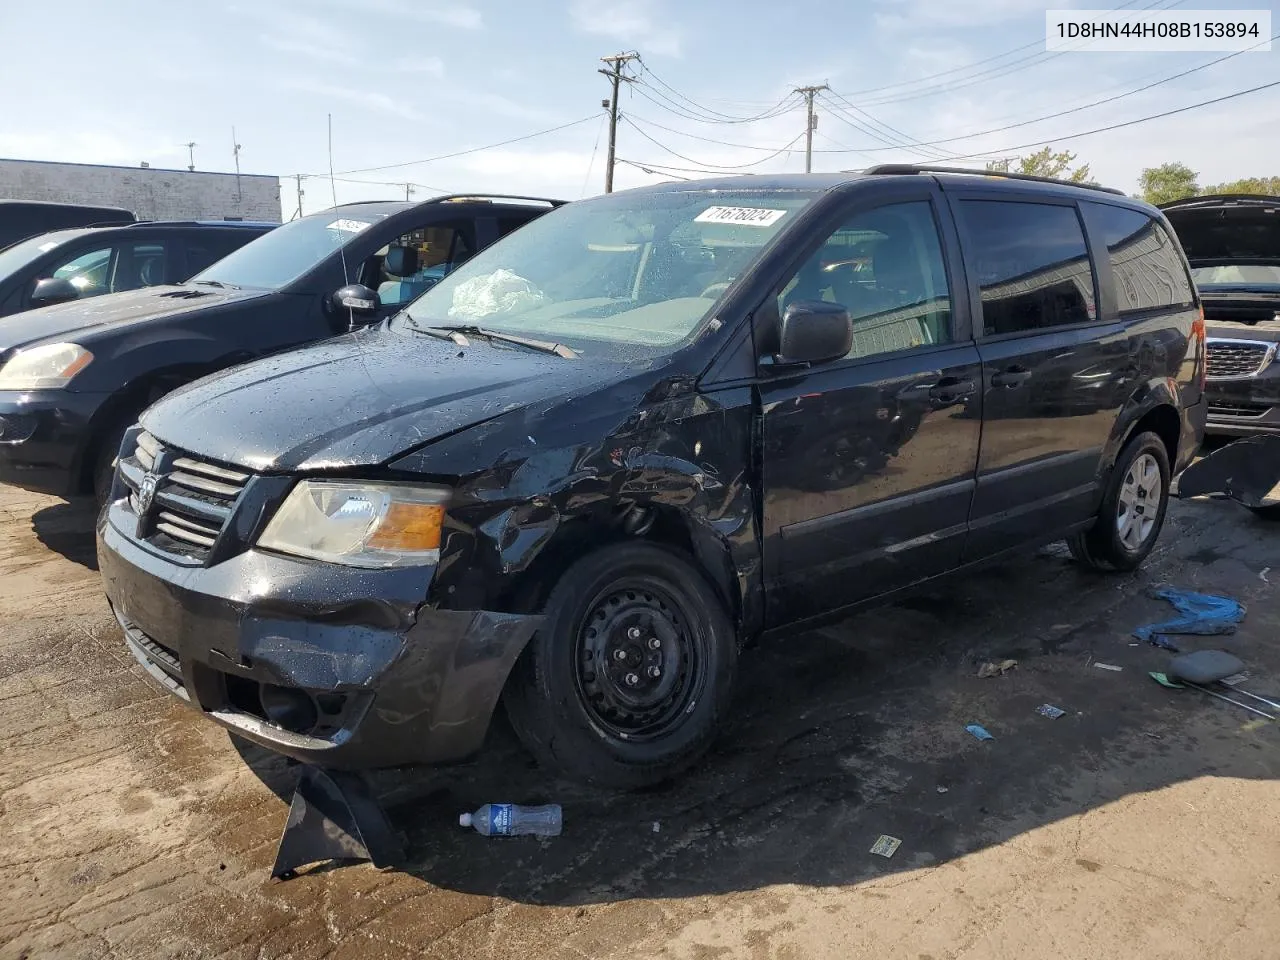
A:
{"points": [[1143, 823]]}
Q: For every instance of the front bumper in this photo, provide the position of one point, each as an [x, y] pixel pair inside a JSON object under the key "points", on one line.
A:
{"points": [[43, 436], [264, 644], [1245, 406]]}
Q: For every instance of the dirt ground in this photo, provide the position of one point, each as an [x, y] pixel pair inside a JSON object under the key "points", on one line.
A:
{"points": [[1143, 823]]}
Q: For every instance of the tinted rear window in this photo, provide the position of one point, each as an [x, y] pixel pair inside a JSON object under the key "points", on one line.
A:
{"points": [[1149, 272]]}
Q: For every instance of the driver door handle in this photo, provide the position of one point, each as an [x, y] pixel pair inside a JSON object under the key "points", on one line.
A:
{"points": [[952, 389]]}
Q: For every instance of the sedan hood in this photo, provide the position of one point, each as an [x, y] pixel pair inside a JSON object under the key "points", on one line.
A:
{"points": [[71, 321], [361, 399]]}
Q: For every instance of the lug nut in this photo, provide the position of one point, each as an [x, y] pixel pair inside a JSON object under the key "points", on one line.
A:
{"points": [[654, 643], [654, 673], [631, 679], [633, 633], [619, 654]]}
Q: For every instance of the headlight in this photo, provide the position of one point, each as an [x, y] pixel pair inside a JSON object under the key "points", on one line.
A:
{"points": [[359, 524], [49, 365]]}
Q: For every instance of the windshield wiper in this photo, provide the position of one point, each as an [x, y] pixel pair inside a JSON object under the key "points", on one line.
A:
{"points": [[216, 283], [458, 334]]}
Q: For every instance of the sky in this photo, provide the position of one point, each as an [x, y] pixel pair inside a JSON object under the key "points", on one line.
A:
{"points": [[406, 80]]}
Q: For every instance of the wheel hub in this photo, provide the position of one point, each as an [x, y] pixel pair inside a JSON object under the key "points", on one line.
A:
{"points": [[1138, 505], [634, 663]]}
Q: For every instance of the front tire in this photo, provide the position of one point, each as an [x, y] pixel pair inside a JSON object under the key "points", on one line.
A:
{"points": [[627, 680], [1132, 510]]}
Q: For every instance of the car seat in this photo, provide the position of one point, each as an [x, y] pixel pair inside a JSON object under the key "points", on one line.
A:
{"points": [[401, 263]]}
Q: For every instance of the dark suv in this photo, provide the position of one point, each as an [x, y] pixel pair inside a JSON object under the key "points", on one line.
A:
{"points": [[70, 265], [580, 472], [74, 376], [1233, 243]]}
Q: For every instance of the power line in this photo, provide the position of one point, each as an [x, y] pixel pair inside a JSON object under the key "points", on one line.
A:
{"points": [[1086, 106], [1117, 126], [720, 166], [713, 116], [592, 163], [463, 153], [895, 139]]}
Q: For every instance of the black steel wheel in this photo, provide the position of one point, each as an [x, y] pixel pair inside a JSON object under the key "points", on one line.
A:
{"points": [[627, 679]]}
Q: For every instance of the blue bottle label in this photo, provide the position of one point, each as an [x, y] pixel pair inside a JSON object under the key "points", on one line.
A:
{"points": [[500, 819]]}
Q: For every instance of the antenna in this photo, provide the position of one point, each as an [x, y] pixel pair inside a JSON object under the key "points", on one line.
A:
{"points": [[191, 154], [235, 151], [342, 250]]}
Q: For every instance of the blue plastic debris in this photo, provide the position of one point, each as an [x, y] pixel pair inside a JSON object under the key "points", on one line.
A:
{"points": [[1202, 614], [979, 731]]}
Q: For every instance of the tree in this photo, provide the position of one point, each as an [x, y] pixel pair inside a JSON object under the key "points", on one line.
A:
{"points": [[1168, 182], [1046, 163], [1266, 186]]}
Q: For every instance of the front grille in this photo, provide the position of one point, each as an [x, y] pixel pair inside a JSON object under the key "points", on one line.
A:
{"points": [[1237, 359], [1238, 409], [193, 498]]}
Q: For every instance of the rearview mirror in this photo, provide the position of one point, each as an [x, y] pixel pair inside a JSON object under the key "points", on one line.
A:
{"points": [[53, 290], [814, 331], [358, 299]]}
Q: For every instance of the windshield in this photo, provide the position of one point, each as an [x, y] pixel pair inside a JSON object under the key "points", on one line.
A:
{"points": [[632, 268], [16, 257], [284, 254], [1237, 274]]}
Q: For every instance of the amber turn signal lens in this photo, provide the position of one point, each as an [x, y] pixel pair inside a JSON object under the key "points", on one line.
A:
{"points": [[410, 527]]}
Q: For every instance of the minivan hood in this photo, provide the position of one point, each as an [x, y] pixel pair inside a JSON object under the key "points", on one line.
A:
{"points": [[1220, 230], [360, 399], [71, 320]]}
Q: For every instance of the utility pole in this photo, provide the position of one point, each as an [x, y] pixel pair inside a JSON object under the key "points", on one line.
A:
{"points": [[811, 122], [235, 150], [408, 191], [298, 178], [616, 76], [191, 154]]}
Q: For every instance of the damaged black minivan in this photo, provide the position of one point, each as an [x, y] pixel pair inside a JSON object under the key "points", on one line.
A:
{"points": [[582, 470]]}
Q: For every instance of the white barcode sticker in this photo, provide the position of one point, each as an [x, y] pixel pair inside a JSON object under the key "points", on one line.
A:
{"points": [[348, 226], [744, 216]]}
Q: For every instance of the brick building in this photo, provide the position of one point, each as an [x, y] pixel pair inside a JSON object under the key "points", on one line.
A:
{"points": [[151, 193]]}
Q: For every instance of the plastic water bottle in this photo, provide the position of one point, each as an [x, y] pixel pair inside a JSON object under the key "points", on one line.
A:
{"points": [[510, 820]]}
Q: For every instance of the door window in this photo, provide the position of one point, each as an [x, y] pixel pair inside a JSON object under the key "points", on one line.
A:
{"points": [[885, 266], [415, 262], [1148, 271], [88, 272], [205, 251], [1031, 263], [138, 265]]}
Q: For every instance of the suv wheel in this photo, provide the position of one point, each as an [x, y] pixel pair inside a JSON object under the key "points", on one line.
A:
{"points": [[626, 681], [1132, 510]]}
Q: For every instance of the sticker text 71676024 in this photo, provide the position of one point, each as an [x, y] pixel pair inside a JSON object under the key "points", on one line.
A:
{"points": [[743, 216]]}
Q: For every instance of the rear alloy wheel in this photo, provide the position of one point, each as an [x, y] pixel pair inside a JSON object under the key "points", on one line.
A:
{"points": [[627, 679], [1132, 510]]}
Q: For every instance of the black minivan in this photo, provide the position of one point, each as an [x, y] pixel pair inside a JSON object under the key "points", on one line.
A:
{"points": [[581, 471]]}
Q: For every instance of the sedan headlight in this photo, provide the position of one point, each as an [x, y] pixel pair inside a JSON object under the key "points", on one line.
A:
{"points": [[359, 524], [43, 367]]}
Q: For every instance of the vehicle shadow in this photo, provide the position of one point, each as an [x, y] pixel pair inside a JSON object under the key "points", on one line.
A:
{"points": [[67, 529], [845, 733]]}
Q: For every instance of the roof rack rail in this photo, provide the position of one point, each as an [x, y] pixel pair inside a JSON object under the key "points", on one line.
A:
{"points": [[495, 196], [902, 168]]}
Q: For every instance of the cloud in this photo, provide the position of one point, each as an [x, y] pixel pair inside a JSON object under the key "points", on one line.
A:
{"points": [[914, 14], [640, 24], [432, 66], [368, 99], [445, 12]]}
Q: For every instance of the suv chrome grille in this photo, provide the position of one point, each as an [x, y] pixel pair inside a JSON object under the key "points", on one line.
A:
{"points": [[192, 499], [1238, 359]]}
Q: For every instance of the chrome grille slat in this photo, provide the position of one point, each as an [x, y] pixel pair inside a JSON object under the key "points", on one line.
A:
{"points": [[193, 500], [1237, 359]]}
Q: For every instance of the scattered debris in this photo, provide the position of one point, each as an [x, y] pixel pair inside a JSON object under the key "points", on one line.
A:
{"points": [[1214, 666], [657, 827], [1164, 680], [979, 731], [1235, 679], [886, 846], [995, 669], [1050, 711], [1202, 614], [1263, 575], [1200, 667], [1108, 666], [942, 789]]}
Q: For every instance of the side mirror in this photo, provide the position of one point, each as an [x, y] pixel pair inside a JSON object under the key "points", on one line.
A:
{"points": [[814, 331], [358, 299], [53, 290]]}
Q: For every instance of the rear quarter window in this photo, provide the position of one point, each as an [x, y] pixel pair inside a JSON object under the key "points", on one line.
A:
{"points": [[1148, 270]]}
